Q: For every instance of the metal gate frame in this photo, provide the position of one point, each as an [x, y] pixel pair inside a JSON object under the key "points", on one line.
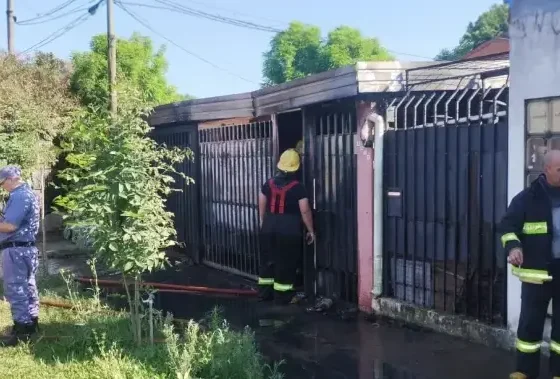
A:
{"points": [[185, 204], [434, 114], [329, 171], [235, 159]]}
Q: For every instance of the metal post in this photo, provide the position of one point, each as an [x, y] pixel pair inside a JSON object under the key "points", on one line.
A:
{"points": [[10, 24], [111, 55], [43, 226]]}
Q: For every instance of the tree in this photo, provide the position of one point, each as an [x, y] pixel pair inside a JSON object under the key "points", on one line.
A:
{"points": [[300, 51], [294, 53], [35, 108], [346, 45], [488, 26], [138, 68], [115, 188]]}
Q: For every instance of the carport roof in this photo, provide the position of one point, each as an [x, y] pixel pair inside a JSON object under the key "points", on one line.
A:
{"points": [[344, 82]]}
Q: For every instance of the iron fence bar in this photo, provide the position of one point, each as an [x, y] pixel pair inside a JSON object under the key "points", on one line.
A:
{"points": [[251, 183], [226, 206], [328, 203], [321, 204], [211, 164], [344, 195], [222, 197], [245, 196], [236, 198], [415, 201], [335, 204]]}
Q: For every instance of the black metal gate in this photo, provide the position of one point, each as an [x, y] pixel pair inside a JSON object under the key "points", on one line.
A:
{"points": [[330, 175], [445, 179], [235, 161], [185, 205]]}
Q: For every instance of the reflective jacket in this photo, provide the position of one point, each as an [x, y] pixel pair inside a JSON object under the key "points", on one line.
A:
{"points": [[528, 224]]}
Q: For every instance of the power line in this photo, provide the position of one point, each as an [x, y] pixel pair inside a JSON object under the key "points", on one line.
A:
{"points": [[44, 21], [171, 6], [215, 17], [51, 12], [65, 29], [147, 26], [235, 12], [57, 34]]}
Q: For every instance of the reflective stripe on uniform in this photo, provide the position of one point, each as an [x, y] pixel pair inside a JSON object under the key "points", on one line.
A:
{"points": [[509, 237], [283, 287], [266, 281], [527, 347], [535, 228], [555, 347], [530, 275]]}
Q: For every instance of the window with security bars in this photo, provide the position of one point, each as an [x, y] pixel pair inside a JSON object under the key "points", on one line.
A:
{"points": [[542, 125]]}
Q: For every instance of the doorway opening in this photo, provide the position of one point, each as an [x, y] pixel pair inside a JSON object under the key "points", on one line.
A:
{"points": [[290, 132]]}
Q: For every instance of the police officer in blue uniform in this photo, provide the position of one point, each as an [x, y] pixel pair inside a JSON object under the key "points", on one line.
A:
{"points": [[19, 225]]}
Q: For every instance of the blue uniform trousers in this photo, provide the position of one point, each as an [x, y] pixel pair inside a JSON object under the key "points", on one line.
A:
{"points": [[20, 289]]}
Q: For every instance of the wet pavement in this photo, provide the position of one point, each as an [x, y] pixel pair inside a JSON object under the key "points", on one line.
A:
{"points": [[322, 346], [314, 345]]}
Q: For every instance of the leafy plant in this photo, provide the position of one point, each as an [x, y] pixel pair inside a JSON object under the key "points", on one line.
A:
{"points": [[116, 187], [140, 67], [35, 108]]}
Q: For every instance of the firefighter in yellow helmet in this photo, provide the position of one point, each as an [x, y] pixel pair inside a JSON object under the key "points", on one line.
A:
{"points": [[283, 206]]}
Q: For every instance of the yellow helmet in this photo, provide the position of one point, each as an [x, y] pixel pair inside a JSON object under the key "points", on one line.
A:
{"points": [[289, 161]]}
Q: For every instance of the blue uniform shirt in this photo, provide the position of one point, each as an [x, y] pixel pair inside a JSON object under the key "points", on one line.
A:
{"points": [[22, 211]]}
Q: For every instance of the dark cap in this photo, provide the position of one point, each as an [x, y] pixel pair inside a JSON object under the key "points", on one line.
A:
{"points": [[9, 172]]}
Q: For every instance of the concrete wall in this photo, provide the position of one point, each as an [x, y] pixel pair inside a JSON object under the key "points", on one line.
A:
{"points": [[534, 73], [365, 215]]}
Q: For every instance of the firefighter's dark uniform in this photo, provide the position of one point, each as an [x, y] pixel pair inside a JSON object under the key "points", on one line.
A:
{"points": [[528, 224], [281, 234]]}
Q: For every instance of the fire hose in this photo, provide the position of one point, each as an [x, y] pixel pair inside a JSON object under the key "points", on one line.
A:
{"points": [[174, 288]]}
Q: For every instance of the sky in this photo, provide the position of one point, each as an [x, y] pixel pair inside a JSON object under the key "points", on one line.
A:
{"points": [[231, 55]]}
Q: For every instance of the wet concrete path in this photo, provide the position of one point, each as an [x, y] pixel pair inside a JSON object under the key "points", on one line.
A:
{"points": [[324, 347]]}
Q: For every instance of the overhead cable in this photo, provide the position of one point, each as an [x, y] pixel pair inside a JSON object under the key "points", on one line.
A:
{"points": [[65, 29], [144, 23]]}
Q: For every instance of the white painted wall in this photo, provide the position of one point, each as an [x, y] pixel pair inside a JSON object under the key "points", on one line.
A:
{"points": [[534, 73]]}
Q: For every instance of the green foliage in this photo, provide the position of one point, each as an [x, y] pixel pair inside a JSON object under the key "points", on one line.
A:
{"points": [[300, 51], [488, 26], [35, 108], [294, 53], [97, 343], [139, 68], [346, 45], [218, 352], [116, 185]]}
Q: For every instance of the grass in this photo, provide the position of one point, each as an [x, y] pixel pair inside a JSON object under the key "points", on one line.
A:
{"points": [[93, 341]]}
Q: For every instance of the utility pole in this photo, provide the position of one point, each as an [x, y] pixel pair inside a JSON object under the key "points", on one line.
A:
{"points": [[112, 55], [10, 22]]}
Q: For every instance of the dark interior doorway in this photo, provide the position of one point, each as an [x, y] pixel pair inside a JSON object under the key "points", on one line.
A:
{"points": [[290, 132]]}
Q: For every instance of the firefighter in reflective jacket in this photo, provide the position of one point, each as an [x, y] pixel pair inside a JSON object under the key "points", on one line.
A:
{"points": [[530, 233], [283, 205]]}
